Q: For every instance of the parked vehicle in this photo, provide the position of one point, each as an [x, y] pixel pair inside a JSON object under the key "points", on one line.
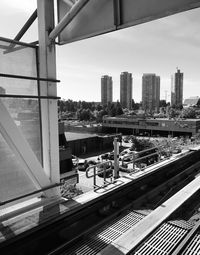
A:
{"points": [[104, 156], [111, 156], [126, 139], [127, 158], [74, 161], [176, 151], [82, 165], [92, 162]]}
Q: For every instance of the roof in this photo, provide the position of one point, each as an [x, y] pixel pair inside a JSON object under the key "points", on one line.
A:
{"points": [[71, 136], [191, 101]]}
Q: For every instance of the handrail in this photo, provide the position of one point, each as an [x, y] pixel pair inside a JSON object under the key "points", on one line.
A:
{"points": [[96, 166], [140, 158], [147, 156], [97, 171], [30, 194], [153, 148]]}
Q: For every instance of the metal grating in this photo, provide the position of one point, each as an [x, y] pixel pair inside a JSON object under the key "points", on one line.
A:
{"points": [[193, 248], [182, 224], [163, 240], [97, 240]]}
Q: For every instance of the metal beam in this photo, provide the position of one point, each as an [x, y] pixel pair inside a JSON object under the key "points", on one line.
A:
{"points": [[69, 2], [26, 26], [67, 18], [23, 30], [117, 14], [49, 114]]}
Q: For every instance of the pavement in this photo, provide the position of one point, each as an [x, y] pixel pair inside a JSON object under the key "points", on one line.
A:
{"points": [[87, 184]]}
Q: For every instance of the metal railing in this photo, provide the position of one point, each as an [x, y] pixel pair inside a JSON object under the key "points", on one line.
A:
{"points": [[105, 170], [134, 157]]}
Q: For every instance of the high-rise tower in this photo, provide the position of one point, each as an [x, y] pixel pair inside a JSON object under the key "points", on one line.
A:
{"points": [[106, 89], [150, 92], [126, 90], [177, 88]]}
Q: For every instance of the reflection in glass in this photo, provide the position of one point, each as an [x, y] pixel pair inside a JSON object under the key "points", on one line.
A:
{"points": [[14, 181], [25, 113]]}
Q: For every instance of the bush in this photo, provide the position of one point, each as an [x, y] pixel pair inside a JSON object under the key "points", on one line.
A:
{"points": [[141, 144]]}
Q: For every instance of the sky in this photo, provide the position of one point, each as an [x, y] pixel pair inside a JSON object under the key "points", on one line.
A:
{"points": [[155, 47]]}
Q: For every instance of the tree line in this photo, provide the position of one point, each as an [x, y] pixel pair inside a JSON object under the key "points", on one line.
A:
{"points": [[90, 111]]}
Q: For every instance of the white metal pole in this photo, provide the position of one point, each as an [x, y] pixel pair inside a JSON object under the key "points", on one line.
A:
{"points": [[67, 18], [69, 2], [116, 159], [47, 69]]}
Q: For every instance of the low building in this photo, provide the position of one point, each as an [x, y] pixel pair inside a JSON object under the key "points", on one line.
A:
{"points": [[82, 127], [82, 144], [150, 127], [191, 101], [68, 173]]}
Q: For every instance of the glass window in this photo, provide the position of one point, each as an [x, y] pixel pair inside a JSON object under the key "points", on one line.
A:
{"points": [[25, 112], [21, 60], [17, 59]]}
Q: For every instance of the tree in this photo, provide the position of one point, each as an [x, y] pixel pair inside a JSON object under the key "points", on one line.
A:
{"points": [[188, 113], [198, 103], [100, 115], [99, 107], [141, 144], [84, 114], [119, 110], [162, 103], [135, 106], [177, 106], [112, 111], [173, 113]]}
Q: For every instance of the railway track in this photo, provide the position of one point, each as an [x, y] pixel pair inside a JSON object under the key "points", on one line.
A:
{"points": [[178, 235], [163, 241]]}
